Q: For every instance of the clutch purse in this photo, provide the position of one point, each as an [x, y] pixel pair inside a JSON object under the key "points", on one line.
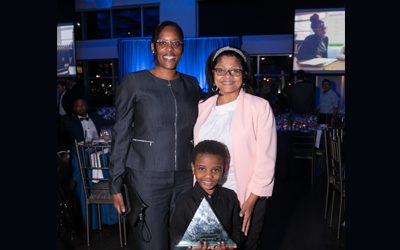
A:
{"points": [[134, 206]]}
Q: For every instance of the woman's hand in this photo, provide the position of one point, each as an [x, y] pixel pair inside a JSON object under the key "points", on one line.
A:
{"points": [[247, 211], [118, 202], [221, 246], [200, 247]]}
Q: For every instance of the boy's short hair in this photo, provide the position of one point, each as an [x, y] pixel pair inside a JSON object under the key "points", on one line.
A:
{"points": [[211, 147]]}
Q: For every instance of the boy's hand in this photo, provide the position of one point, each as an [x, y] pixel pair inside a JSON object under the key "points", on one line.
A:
{"points": [[221, 246], [200, 247]]}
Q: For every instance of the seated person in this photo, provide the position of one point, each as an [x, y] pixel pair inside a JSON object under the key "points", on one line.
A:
{"points": [[209, 163], [77, 124], [315, 45]]}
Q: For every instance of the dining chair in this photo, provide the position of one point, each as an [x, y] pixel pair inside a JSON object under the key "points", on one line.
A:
{"points": [[338, 123], [303, 145], [338, 185], [321, 151], [92, 165], [327, 152]]}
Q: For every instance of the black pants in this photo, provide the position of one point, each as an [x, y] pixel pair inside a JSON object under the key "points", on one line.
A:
{"points": [[252, 241], [159, 190]]}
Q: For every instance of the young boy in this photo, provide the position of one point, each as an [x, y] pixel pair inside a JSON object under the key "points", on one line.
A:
{"points": [[209, 162]]}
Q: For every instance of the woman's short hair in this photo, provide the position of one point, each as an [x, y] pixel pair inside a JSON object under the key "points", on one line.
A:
{"points": [[248, 79], [213, 148], [157, 30]]}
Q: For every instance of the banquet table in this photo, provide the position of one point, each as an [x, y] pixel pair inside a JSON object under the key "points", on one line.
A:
{"points": [[301, 168], [109, 214]]}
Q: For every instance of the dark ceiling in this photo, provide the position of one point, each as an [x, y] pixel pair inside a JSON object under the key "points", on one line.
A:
{"points": [[253, 17], [235, 17], [65, 11]]}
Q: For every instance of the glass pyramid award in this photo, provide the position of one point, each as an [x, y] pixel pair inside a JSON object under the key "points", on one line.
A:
{"points": [[205, 226]]}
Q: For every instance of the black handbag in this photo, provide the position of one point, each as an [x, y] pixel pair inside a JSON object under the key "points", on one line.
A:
{"points": [[134, 207]]}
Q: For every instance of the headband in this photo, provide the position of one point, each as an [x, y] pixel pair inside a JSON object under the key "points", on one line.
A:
{"points": [[229, 48]]}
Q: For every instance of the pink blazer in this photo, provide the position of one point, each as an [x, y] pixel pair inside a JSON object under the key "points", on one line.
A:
{"points": [[253, 144]]}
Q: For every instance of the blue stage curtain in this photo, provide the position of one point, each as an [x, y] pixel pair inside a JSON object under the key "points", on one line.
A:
{"points": [[135, 55]]}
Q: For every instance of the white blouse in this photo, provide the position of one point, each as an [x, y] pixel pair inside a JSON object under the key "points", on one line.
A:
{"points": [[218, 127]]}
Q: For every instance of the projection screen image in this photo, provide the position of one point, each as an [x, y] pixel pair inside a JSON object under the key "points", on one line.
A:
{"points": [[319, 41]]}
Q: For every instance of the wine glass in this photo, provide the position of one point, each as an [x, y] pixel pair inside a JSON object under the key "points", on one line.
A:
{"points": [[106, 133]]}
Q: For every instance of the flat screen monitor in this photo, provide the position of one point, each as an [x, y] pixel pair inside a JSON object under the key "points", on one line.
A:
{"points": [[66, 63], [319, 39]]}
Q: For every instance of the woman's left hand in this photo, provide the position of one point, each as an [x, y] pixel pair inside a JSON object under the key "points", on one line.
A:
{"points": [[247, 211]]}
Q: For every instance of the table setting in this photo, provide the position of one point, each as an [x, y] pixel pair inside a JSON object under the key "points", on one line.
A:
{"points": [[298, 122]]}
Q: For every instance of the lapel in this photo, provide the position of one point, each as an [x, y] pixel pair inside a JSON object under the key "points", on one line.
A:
{"points": [[77, 125], [97, 125], [204, 112]]}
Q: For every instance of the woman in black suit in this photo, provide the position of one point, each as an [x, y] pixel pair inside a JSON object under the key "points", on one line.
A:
{"points": [[162, 105], [315, 45]]}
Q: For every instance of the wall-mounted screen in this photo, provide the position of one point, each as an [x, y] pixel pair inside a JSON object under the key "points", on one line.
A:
{"points": [[66, 63], [319, 40]]}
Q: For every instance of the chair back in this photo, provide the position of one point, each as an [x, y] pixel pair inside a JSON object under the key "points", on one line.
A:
{"points": [[93, 165], [338, 123], [336, 158], [303, 138]]}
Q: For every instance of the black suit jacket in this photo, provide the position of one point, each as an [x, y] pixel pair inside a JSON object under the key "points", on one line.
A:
{"points": [[308, 49], [75, 131], [164, 113], [300, 98]]}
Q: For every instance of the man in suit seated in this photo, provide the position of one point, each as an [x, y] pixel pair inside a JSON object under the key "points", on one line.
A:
{"points": [[82, 121]]}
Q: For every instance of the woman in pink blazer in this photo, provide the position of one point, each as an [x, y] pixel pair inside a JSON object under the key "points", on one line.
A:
{"points": [[245, 123]]}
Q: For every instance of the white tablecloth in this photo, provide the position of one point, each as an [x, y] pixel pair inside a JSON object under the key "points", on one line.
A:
{"points": [[96, 164], [318, 137]]}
